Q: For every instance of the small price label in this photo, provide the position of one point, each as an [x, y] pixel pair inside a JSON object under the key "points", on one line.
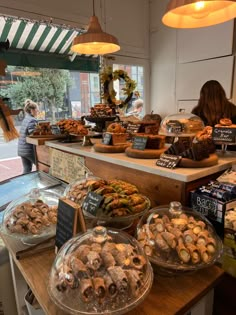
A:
{"points": [[174, 126], [55, 130], [107, 138], [132, 128], [168, 160], [139, 143], [92, 202]]}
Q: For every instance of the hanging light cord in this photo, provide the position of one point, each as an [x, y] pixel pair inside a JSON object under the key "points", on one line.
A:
{"points": [[93, 8]]}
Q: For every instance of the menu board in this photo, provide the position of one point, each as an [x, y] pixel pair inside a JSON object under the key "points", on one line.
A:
{"points": [[224, 135], [70, 221], [65, 166]]}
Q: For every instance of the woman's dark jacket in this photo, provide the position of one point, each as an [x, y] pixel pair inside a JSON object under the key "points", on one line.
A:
{"points": [[27, 127]]}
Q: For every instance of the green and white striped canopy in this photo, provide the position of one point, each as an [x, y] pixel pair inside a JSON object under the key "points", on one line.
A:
{"points": [[36, 36], [42, 44]]}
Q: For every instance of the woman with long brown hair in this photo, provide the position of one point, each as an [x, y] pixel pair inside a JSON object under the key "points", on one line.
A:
{"points": [[213, 104]]}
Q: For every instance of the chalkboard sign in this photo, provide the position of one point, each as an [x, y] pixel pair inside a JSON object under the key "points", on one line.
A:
{"points": [[139, 143], [66, 166], [224, 135], [132, 128], [70, 221], [207, 206], [168, 160], [55, 130], [107, 138], [92, 202]]}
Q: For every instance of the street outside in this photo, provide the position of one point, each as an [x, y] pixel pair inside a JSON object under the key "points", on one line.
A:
{"points": [[10, 163]]}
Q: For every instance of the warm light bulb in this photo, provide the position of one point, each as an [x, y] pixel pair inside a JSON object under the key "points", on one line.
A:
{"points": [[201, 9]]}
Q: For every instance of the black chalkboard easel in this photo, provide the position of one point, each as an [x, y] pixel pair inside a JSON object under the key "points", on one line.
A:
{"points": [[70, 221]]}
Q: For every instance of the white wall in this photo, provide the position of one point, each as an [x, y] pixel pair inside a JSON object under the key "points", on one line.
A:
{"points": [[162, 62], [182, 60], [128, 20]]}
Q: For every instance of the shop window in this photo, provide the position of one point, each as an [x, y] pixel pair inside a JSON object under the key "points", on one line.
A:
{"points": [[59, 93]]}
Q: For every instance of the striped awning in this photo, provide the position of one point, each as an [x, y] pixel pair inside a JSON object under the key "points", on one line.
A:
{"points": [[36, 36], [42, 44]]}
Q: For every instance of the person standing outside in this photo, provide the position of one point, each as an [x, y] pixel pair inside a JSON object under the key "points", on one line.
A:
{"points": [[26, 150]]}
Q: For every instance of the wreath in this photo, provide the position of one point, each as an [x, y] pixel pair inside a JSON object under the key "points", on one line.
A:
{"points": [[107, 76]]}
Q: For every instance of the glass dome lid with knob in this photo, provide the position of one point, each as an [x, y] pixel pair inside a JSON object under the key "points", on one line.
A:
{"points": [[181, 125], [31, 218], [103, 271], [178, 239]]}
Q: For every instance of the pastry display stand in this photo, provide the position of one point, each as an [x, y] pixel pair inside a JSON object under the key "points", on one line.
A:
{"points": [[99, 121], [160, 184], [144, 154], [169, 295], [212, 160], [104, 148]]}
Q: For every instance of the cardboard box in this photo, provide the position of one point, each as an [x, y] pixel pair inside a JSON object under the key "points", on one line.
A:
{"points": [[212, 208], [229, 255]]}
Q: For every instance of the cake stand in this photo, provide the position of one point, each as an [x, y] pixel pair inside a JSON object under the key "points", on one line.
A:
{"points": [[100, 121]]}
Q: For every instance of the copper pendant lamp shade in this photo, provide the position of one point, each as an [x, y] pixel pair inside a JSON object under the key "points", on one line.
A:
{"points": [[194, 13], [95, 41]]}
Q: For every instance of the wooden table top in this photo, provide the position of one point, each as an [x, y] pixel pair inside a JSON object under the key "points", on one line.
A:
{"points": [[169, 294]]}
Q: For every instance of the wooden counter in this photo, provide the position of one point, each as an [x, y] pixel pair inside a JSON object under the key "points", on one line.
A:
{"points": [[160, 184], [168, 296]]}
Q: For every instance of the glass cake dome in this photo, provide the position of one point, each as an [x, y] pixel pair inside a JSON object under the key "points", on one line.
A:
{"points": [[32, 217], [178, 240], [103, 271], [121, 202], [181, 125]]}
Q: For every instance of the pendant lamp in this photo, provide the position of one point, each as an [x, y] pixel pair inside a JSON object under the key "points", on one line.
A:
{"points": [[194, 14], [95, 41]]}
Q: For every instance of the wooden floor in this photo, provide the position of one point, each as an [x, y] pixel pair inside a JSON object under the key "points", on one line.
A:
{"points": [[225, 296]]}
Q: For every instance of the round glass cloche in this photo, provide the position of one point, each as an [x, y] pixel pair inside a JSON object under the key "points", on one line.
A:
{"points": [[103, 271], [181, 125], [32, 217], [120, 201], [177, 239]]}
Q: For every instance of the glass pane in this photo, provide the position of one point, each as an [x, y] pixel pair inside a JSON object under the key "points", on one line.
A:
{"points": [[59, 93], [136, 73]]}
